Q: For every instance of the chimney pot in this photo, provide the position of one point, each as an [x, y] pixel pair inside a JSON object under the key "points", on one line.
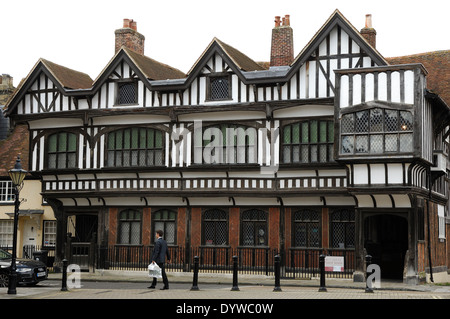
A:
{"points": [[287, 19], [129, 37], [277, 21], [369, 21], [133, 25], [368, 32], [282, 48]]}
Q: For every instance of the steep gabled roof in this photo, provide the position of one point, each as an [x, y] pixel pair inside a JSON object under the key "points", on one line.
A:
{"points": [[147, 68], [239, 59], [61, 76], [68, 78], [153, 69], [336, 19]]}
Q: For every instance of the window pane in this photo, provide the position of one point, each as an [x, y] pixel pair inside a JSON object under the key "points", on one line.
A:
{"points": [[296, 133], [362, 122], [376, 144], [330, 131], [62, 143], [376, 120], [305, 132], [126, 139], [390, 142], [390, 120], [347, 123], [362, 144], [287, 135], [52, 143], [406, 142], [347, 144], [287, 154], [406, 121], [219, 88], [72, 145], [323, 132], [127, 93], [314, 132]]}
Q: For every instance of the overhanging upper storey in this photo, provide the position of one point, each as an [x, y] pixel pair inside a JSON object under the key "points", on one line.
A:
{"points": [[381, 113]]}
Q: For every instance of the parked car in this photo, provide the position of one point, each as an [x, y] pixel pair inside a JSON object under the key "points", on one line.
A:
{"points": [[29, 271]]}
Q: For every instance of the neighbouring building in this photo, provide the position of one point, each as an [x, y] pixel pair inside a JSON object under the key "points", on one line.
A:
{"points": [[336, 150], [37, 224]]}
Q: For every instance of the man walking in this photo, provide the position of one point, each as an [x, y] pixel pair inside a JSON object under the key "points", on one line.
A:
{"points": [[159, 255]]}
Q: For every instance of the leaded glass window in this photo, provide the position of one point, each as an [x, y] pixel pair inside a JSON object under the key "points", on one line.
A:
{"points": [[219, 88], [342, 228], [308, 142], [126, 93], [165, 220], [306, 232], [129, 227], [254, 228], [135, 147], [376, 131], [215, 227], [226, 144], [61, 150]]}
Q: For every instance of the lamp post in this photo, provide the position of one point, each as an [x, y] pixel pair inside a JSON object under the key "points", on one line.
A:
{"points": [[17, 174]]}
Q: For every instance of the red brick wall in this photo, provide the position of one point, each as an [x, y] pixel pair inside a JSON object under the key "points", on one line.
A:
{"points": [[282, 50], [112, 236]]}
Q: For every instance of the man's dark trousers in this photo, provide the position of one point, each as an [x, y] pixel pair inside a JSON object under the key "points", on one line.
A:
{"points": [[164, 276]]}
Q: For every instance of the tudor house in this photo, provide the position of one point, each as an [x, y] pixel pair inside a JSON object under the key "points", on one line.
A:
{"points": [[334, 149]]}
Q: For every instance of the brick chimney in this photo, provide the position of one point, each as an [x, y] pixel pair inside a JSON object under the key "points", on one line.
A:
{"points": [[129, 37], [368, 32], [282, 50]]}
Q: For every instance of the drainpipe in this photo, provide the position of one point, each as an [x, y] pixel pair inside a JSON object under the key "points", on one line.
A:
{"points": [[430, 184], [282, 252], [187, 251]]}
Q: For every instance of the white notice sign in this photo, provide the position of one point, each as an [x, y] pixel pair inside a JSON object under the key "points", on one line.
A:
{"points": [[334, 263]]}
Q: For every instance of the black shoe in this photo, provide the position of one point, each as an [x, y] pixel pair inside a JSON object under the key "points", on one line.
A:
{"points": [[164, 288], [151, 287]]}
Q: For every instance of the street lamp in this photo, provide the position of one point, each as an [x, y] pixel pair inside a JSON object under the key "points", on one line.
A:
{"points": [[17, 174]]}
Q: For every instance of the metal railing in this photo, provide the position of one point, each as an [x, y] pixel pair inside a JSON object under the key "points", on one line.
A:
{"points": [[295, 263]]}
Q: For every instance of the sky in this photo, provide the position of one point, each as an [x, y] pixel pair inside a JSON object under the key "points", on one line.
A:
{"points": [[80, 34]]}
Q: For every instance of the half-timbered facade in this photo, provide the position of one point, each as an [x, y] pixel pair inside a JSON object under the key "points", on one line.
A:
{"points": [[336, 150]]}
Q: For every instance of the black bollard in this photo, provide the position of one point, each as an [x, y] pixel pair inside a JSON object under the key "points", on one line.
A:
{"points": [[322, 273], [368, 262], [64, 276], [195, 280], [235, 274], [277, 273]]}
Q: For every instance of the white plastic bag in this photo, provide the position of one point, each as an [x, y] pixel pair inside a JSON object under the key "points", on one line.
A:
{"points": [[154, 271]]}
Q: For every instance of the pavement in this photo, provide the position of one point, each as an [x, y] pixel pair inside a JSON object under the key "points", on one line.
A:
{"points": [[218, 287]]}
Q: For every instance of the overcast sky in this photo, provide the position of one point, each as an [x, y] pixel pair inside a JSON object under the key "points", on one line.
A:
{"points": [[80, 34]]}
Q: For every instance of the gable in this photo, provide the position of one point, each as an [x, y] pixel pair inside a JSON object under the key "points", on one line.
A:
{"points": [[44, 89]]}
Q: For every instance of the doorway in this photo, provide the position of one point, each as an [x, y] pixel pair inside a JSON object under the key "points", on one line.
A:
{"points": [[83, 227], [386, 240]]}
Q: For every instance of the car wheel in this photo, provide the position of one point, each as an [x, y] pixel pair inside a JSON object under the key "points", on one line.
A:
{"points": [[4, 280]]}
